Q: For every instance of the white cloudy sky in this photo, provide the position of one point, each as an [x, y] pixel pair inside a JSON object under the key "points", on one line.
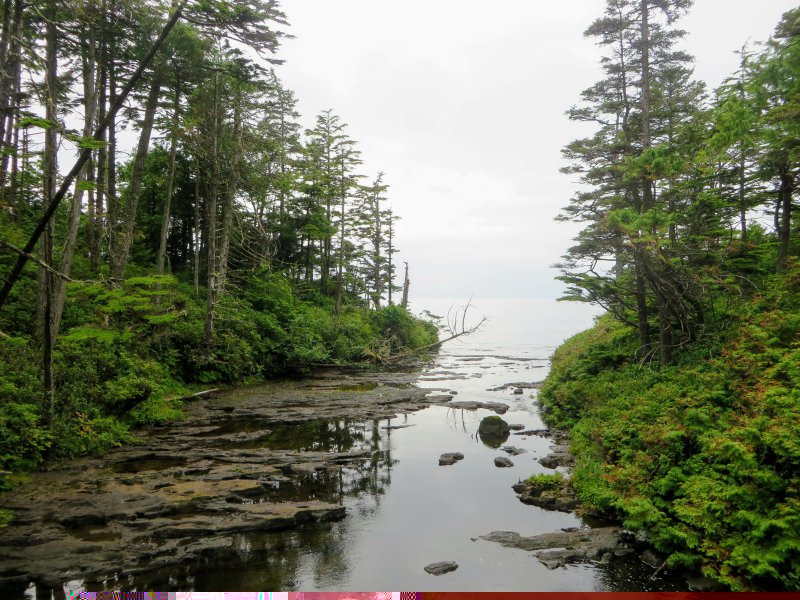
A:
{"points": [[462, 104]]}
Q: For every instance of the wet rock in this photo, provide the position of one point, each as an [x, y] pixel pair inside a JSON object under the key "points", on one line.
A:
{"points": [[561, 548], [536, 432], [513, 450], [516, 427], [535, 385], [518, 391], [503, 462], [440, 568], [653, 558], [497, 407], [450, 458], [704, 584], [494, 426], [438, 398], [560, 498], [559, 457], [493, 431]]}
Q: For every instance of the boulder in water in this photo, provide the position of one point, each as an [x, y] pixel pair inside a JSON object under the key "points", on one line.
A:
{"points": [[440, 568]]}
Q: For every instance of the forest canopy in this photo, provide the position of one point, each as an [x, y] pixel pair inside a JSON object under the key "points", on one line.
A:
{"points": [[167, 223]]}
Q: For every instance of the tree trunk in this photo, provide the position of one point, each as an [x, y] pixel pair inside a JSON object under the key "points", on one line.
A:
{"points": [[340, 258], [135, 185], [68, 253], [230, 196], [785, 225], [112, 201], [211, 223], [390, 254], [406, 285], [196, 238], [173, 150], [50, 172]]}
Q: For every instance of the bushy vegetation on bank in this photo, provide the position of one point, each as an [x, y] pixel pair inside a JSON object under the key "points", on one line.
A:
{"points": [[128, 353], [704, 454]]}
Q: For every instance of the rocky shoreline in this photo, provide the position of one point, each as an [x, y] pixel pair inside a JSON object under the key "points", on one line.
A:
{"points": [[252, 459]]}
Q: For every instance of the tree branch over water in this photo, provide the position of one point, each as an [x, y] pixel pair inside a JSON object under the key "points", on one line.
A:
{"points": [[456, 326]]}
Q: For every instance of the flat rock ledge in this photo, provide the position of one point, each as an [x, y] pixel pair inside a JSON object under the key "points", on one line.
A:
{"points": [[440, 568], [560, 548], [497, 407]]}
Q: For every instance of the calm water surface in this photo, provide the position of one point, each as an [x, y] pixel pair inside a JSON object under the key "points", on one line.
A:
{"points": [[404, 511]]}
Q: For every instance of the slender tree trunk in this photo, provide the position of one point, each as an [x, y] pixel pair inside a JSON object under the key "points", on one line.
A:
{"points": [[70, 242], [173, 151], [785, 224], [211, 223], [99, 225], [9, 60], [135, 185], [376, 253], [641, 303], [340, 258], [10, 79], [50, 172], [196, 237], [112, 200], [230, 196], [390, 257], [406, 285]]}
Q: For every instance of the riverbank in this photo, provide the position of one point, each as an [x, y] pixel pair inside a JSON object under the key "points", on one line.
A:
{"points": [[316, 484], [699, 457], [128, 354], [255, 459]]}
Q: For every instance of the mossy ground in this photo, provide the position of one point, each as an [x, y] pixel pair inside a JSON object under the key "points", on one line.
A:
{"points": [[703, 454]]}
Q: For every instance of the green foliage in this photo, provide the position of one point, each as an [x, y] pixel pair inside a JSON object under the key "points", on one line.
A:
{"points": [[6, 516], [546, 481], [703, 455]]}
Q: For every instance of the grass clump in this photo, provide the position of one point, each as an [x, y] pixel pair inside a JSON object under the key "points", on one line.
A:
{"points": [[546, 481]]}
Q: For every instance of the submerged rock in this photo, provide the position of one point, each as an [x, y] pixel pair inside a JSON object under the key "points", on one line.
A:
{"points": [[502, 461], [516, 427], [440, 568], [518, 391], [450, 458], [513, 450]]}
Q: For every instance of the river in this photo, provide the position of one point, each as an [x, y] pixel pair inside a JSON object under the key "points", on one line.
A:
{"points": [[403, 510]]}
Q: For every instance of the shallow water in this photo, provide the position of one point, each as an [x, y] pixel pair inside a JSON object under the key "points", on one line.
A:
{"points": [[405, 511]]}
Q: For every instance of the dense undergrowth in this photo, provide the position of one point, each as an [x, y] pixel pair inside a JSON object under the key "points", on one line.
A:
{"points": [[127, 354], [704, 454]]}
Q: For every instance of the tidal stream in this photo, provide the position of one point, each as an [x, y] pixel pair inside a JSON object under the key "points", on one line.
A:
{"points": [[402, 510]]}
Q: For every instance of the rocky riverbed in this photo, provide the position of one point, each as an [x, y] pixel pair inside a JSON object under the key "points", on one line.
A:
{"points": [[345, 481], [253, 459]]}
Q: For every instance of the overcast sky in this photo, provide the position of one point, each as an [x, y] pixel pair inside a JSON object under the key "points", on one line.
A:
{"points": [[461, 103]]}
